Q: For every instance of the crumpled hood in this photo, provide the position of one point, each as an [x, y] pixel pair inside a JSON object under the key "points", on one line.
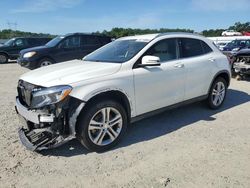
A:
{"points": [[69, 72]]}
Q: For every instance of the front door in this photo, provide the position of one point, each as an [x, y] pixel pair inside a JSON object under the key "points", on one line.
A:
{"points": [[161, 86]]}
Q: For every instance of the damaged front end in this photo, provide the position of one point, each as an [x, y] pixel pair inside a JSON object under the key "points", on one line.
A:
{"points": [[241, 66], [47, 119]]}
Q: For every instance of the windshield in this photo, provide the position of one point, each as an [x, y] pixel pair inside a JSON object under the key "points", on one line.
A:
{"points": [[9, 42], [54, 41], [117, 52]]}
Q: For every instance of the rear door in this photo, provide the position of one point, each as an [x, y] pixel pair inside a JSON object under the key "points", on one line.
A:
{"points": [[32, 42], [198, 60], [68, 49]]}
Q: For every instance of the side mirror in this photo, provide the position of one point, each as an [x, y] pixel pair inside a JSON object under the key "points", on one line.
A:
{"points": [[149, 60]]}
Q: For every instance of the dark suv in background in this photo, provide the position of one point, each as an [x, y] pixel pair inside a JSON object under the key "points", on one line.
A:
{"points": [[11, 48], [62, 48], [237, 45]]}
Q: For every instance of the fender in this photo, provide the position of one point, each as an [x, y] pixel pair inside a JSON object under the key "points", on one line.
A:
{"points": [[85, 93], [88, 96], [6, 53]]}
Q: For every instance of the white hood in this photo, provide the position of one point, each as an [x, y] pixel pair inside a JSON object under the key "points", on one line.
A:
{"points": [[69, 72]]}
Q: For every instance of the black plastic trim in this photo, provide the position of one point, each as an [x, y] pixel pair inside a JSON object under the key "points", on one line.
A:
{"points": [[152, 113], [25, 141]]}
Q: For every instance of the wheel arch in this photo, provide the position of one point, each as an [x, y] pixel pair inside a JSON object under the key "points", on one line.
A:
{"points": [[5, 53], [46, 57], [116, 95], [224, 74]]}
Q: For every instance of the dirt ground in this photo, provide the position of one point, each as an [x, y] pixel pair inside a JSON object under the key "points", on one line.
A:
{"points": [[187, 147]]}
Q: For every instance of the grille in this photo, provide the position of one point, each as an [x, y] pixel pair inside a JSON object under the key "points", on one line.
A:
{"points": [[24, 90]]}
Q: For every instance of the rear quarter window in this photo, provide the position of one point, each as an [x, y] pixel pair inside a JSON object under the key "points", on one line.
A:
{"points": [[193, 47], [206, 48], [37, 41], [190, 47]]}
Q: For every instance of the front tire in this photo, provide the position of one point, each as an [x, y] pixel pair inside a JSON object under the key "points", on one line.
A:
{"points": [[217, 93], [45, 62], [102, 125]]}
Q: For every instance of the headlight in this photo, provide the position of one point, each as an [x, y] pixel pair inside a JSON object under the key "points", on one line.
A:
{"points": [[29, 54], [49, 95]]}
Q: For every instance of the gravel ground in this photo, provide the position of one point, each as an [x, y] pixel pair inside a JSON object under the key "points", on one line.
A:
{"points": [[188, 147]]}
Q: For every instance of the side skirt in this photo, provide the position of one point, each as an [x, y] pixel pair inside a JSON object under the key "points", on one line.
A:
{"points": [[152, 113]]}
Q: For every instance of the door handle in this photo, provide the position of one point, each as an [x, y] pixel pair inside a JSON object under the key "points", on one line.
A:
{"points": [[211, 59], [179, 65]]}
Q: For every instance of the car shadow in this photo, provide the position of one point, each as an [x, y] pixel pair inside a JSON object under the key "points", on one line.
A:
{"points": [[9, 62], [247, 78], [160, 124]]}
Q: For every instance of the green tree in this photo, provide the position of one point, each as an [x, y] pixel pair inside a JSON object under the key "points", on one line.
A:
{"points": [[122, 32], [240, 27], [8, 33]]}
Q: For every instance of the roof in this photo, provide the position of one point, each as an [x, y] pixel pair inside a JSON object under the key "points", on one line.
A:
{"points": [[149, 37], [99, 35]]}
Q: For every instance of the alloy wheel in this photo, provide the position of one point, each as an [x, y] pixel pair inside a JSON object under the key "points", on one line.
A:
{"points": [[45, 63], [218, 93], [105, 126]]}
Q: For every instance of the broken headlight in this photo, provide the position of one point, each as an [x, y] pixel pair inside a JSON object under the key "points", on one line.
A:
{"points": [[51, 95]]}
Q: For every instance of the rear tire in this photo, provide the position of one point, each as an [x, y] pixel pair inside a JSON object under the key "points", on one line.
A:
{"points": [[102, 125], [217, 93], [3, 58]]}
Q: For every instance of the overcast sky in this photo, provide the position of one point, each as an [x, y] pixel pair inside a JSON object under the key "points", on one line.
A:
{"points": [[64, 16]]}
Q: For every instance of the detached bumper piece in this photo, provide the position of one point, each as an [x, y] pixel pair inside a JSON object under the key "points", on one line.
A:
{"points": [[37, 139]]}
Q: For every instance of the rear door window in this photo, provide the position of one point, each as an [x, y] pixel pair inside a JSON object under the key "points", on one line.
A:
{"points": [[70, 42], [90, 41], [190, 47], [33, 41]]}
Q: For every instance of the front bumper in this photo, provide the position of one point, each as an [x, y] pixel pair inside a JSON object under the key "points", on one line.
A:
{"points": [[28, 63], [22, 62], [32, 115], [40, 130]]}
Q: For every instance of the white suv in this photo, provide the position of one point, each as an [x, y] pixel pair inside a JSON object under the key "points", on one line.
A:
{"points": [[95, 99]]}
